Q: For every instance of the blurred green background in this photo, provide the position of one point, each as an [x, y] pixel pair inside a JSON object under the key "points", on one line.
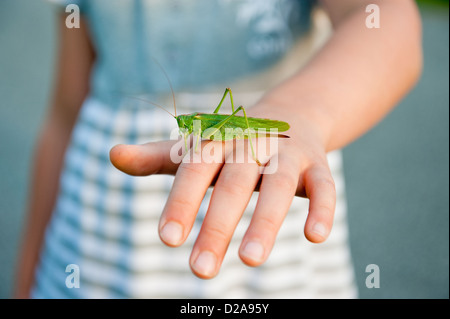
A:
{"points": [[397, 174]]}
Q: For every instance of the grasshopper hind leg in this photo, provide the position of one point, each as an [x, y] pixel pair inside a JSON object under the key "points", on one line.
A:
{"points": [[227, 91], [218, 126], [249, 136]]}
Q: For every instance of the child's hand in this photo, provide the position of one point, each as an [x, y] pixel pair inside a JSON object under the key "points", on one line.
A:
{"points": [[302, 170], [340, 100]]}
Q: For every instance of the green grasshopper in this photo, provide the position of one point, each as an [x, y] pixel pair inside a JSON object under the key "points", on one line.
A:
{"points": [[215, 124]]}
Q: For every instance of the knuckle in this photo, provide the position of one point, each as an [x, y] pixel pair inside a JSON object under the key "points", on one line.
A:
{"points": [[217, 233], [325, 183], [229, 183], [182, 205], [328, 208], [320, 180], [190, 170], [284, 181], [269, 224]]}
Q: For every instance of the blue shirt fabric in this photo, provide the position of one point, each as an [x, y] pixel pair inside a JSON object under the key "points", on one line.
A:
{"points": [[199, 43]]}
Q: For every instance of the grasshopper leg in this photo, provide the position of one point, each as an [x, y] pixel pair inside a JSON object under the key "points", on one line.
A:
{"points": [[249, 136], [223, 122], [185, 136], [227, 90], [197, 142]]}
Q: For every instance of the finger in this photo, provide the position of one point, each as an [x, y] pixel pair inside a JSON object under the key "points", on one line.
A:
{"points": [[189, 188], [320, 190], [230, 197], [145, 159], [275, 197]]}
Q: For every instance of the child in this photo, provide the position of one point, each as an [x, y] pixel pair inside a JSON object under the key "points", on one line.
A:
{"points": [[104, 221]]}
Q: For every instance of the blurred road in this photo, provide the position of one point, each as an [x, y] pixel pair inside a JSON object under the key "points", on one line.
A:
{"points": [[398, 183], [397, 174]]}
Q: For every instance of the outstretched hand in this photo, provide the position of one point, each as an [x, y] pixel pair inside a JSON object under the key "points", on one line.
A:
{"points": [[302, 170]]}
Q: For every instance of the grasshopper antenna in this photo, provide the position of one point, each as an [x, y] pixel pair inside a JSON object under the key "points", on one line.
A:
{"points": [[170, 84], [147, 101]]}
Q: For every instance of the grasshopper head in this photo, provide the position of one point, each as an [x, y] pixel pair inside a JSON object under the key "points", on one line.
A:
{"points": [[185, 123]]}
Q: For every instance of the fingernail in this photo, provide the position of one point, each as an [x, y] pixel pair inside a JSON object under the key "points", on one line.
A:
{"points": [[205, 264], [253, 250], [172, 233], [320, 229]]}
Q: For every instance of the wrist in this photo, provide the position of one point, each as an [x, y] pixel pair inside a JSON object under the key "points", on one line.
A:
{"points": [[302, 112]]}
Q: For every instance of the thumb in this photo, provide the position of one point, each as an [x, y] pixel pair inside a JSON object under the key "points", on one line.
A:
{"points": [[145, 159]]}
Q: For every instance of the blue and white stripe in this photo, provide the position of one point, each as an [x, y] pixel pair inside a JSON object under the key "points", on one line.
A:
{"points": [[106, 223]]}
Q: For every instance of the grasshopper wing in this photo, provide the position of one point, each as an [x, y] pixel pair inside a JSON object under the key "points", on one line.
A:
{"points": [[215, 127]]}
